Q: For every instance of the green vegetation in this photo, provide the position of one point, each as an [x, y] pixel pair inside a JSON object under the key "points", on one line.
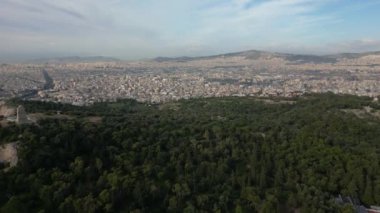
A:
{"points": [[202, 155]]}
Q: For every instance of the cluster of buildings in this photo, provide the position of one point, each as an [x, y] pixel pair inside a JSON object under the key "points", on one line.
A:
{"points": [[166, 87], [161, 81]]}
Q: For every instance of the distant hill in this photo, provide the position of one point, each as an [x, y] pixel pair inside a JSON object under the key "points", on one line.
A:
{"points": [[255, 55], [74, 59], [354, 55]]}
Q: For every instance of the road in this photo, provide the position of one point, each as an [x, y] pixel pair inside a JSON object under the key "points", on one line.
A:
{"points": [[49, 84]]}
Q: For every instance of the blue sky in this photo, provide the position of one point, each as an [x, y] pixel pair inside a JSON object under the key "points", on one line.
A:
{"points": [[136, 29]]}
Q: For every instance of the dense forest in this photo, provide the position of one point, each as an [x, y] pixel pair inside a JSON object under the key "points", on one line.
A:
{"points": [[200, 155]]}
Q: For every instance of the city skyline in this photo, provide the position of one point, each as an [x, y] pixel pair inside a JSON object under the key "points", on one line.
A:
{"points": [[147, 29]]}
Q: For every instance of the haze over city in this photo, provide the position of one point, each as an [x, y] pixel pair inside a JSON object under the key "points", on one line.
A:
{"points": [[146, 29]]}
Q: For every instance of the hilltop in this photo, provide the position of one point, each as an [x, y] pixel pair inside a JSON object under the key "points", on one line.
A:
{"points": [[256, 55]]}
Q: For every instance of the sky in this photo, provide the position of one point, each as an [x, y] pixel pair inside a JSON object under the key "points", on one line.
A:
{"points": [[141, 29]]}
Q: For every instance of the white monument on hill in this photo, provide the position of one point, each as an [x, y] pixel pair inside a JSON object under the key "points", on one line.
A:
{"points": [[21, 116]]}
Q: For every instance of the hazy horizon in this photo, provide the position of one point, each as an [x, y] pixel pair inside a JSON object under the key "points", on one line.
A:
{"points": [[131, 29], [52, 57]]}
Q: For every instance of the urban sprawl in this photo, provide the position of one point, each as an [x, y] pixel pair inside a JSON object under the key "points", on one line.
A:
{"points": [[156, 81]]}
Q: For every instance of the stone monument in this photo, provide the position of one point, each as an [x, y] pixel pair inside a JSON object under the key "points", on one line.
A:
{"points": [[21, 116]]}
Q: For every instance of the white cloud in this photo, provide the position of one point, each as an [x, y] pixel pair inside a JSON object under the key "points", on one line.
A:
{"points": [[149, 28]]}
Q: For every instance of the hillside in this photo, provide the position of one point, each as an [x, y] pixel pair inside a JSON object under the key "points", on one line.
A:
{"points": [[256, 55], [200, 155]]}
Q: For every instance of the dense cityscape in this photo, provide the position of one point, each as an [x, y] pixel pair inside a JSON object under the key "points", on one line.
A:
{"points": [[249, 73]]}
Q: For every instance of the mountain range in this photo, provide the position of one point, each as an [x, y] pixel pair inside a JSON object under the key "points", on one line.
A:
{"points": [[250, 55], [255, 54]]}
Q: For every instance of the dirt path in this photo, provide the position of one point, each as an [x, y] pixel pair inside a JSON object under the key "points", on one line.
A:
{"points": [[8, 154]]}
